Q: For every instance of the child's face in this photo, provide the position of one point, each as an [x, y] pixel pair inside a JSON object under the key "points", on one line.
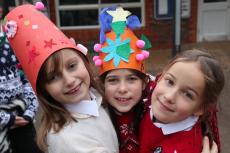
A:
{"points": [[123, 89], [178, 93], [71, 83]]}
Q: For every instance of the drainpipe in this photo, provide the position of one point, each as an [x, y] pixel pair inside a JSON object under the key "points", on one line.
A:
{"points": [[177, 28]]}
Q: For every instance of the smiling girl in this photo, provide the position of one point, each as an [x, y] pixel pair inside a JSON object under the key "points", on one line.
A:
{"points": [[186, 91], [73, 119]]}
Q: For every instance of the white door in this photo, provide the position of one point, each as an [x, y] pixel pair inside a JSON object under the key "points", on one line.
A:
{"points": [[213, 20]]}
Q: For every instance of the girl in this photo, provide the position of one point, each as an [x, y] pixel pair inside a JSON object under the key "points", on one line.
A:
{"points": [[127, 87], [184, 94], [73, 119], [121, 67], [124, 91]]}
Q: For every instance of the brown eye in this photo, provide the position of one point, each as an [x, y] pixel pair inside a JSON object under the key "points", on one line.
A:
{"points": [[188, 95], [169, 82]]}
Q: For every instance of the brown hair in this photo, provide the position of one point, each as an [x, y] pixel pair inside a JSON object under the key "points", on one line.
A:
{"points": [[54, 114], [209, 66], [214, 83], [138, 108]]}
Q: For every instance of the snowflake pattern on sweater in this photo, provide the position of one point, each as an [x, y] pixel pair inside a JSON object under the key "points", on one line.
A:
{"points": [[14, 85], [128, 135]]}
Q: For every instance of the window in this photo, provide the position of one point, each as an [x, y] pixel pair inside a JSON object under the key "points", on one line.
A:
{"points": [[83, 14]]}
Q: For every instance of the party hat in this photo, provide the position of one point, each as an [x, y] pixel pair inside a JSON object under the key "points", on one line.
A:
{"points": [[119, 47], [34, 38]]}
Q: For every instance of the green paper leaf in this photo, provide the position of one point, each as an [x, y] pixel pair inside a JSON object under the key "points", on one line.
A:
{"points": [[147, 42], [119, 27], [124, 50]]}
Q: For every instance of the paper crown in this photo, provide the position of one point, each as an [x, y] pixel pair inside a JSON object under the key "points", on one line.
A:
{"points": [[119, 47], [34, 38]]}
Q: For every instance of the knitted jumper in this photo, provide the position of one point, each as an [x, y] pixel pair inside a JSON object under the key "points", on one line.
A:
{"points": [[13, 85], [126, 133], [212, 119], [152, 140]]}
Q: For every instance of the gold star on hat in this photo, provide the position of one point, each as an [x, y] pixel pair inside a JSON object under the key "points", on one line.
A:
{"points": [[119, 14]]}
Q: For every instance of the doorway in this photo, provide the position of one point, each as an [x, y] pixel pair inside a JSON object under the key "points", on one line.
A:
{"points": [[213, 20]]}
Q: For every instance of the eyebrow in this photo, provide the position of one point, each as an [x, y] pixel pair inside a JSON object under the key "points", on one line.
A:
{"points": [[167, 73], [186, 86], [114, 75], [193, 90]]}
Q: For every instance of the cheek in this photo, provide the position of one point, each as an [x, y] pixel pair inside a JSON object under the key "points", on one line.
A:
{"points": [[156, 92], [109, 90], [53, 90], [185, 109]]}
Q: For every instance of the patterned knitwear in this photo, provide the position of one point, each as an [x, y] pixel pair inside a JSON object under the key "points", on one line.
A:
{"points": [[13, 85], [126, 132]]}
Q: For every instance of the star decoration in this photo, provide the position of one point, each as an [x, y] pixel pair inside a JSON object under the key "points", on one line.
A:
{"points": [[27, 43], [20, 16], [33, 54], [117, 50], [49, 43], [26, 22], [119, 14]]}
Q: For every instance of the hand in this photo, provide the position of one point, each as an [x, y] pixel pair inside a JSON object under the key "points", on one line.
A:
{"points": [[206, 146], [20, 121]]}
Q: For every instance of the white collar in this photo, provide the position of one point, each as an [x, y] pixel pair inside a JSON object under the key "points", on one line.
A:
{"points": [[86, 107], [170, 128]]}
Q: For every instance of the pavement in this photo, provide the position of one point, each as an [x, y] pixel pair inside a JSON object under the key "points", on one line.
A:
{"points": [[221, 50]]}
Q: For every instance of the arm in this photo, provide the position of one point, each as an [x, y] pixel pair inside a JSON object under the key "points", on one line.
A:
{"points": [[30, 99]]}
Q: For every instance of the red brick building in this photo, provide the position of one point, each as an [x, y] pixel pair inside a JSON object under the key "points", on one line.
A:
{"points": [[201, 19], [159, 31]]}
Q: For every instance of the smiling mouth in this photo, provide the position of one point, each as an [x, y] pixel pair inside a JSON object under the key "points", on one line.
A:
{"points": [[164, 107], [122, 100], [74, 90]]}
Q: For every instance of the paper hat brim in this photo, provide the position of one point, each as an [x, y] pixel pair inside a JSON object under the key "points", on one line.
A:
{"points": [[132, 63]]}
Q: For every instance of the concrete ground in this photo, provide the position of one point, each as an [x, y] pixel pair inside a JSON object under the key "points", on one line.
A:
{"points": [[221, 50]]}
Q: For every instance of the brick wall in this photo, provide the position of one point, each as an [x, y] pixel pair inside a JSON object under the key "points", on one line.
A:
{"points": [[160, 32]]}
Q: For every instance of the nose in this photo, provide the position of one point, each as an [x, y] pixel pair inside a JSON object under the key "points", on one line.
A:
{"points": [[68, 79], [170, 95], [122, 87]]}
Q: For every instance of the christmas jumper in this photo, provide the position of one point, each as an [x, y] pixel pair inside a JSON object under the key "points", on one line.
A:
{"points": [[124, 122], [16, 99], [14, 85], [127, 134]]}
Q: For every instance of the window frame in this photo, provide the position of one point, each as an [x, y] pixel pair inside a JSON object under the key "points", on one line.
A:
{"points": [[98, 7]]}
